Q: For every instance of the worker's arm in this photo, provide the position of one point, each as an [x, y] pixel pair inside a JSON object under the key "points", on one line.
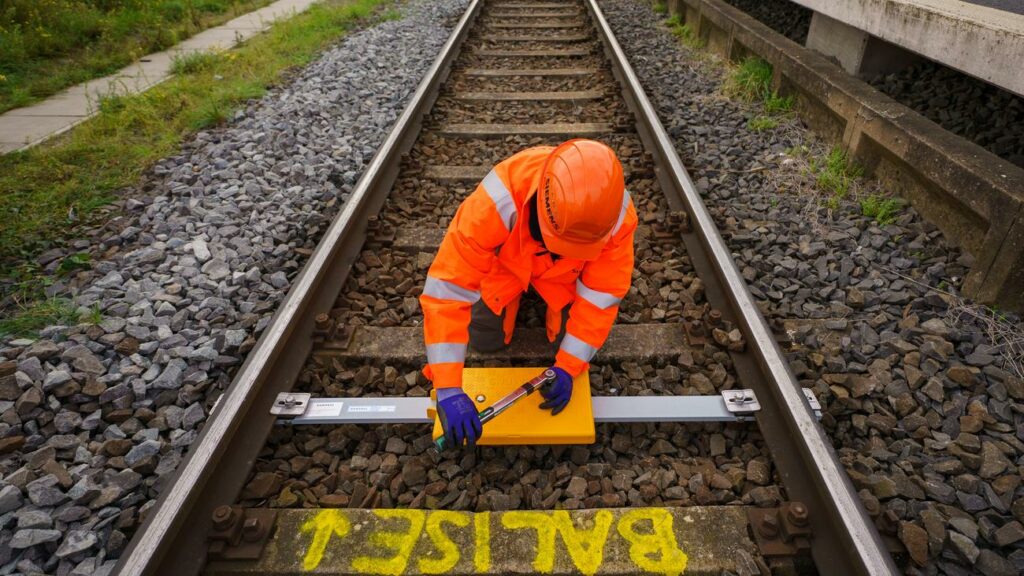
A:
{"points": [[601, 286], [480, 226]]}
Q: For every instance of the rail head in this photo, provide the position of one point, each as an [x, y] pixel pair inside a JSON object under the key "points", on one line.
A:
{"points": [[152, 544], [845, 538]]}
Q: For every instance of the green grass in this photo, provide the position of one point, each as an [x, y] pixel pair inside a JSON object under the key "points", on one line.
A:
{"points": [[36, 315], [778, 105], [93, 316], [883, 210], [660, 8], [195, 62], [751, 81], [83, 170], [761, 123], [48, 45], [835, 175], [685, 34]]}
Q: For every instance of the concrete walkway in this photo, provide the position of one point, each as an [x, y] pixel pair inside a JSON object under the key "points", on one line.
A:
{"points": [[24, 127]]}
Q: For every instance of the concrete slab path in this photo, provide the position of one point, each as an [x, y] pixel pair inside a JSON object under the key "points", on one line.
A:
{"points": [[25, 127]]}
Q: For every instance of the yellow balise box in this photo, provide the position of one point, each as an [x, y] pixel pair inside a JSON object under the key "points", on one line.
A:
{"points": [[525, 422]]}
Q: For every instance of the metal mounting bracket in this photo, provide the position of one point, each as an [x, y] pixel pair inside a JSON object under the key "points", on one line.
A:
{"points": [[813, 401], [742, 401], [782, 531], [290, 404]]}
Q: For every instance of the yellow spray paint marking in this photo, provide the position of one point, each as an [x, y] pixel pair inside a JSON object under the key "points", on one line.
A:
{"points": [[482, 531], [648, 532], [544, 561], [449, 552], [657, 551], [325, 524], [586, 547], [401, 542]]}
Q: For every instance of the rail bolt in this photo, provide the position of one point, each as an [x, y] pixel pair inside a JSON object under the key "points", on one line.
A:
{"points": [[224, 517], [798, 514], [252, 529], [769, 526]]}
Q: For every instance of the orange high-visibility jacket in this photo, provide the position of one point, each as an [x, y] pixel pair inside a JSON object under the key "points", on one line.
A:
{"points": [[488, 253]]}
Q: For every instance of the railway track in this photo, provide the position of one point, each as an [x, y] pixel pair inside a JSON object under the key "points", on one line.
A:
{"points": [[514, 74]]}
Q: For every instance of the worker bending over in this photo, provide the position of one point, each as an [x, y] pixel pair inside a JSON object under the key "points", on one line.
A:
{"points": [[558, 219]]}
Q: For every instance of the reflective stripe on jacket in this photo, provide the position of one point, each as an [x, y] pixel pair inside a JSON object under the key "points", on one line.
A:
{"points": [[488, 253]]}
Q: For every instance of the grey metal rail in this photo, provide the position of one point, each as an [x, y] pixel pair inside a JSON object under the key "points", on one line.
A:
{"points": [[845, 540], [181, 519]]}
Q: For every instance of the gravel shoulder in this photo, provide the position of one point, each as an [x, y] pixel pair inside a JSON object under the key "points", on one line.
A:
{"points": [[95, 417], [923, 408]]}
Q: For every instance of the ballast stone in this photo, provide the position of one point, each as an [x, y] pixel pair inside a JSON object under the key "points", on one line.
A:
{"points": [[32, 537]]}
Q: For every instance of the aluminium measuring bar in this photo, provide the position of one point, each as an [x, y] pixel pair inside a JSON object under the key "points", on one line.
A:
{"points": [[298, 409]]}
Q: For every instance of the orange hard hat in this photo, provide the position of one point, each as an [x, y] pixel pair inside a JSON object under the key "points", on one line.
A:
{"points": [[579, 198]]}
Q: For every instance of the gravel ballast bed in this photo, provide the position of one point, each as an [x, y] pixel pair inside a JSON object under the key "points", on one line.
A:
{"points": [[922, 410], [94, 418], [787, 18], [987, 115]]}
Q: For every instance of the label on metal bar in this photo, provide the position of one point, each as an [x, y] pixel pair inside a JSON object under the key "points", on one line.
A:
{"points": [[325, 408], [372, 408]]}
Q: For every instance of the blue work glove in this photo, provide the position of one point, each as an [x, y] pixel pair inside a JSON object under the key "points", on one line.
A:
{"points": [[460, 419], [557, 394]]}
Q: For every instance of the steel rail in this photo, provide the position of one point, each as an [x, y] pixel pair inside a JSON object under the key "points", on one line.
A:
{"points": [[211, 474], [845, 539]]}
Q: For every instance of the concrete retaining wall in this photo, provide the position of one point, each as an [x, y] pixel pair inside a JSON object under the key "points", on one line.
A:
{"points": [[972, 195]]}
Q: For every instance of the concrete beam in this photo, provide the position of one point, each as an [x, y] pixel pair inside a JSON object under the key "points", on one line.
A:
{"points": [[564, 129], [456, 173], [626, 343], [613, 541], [858, 52], [984, 42]]}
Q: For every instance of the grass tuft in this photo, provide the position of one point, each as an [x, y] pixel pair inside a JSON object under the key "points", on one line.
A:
{"points": [[660, 8], [836, 175], [883, 210], [751, 81], [684, 33], [760, 123], [34, 316], [74, 263], [778, 105], [47, 190], [94, 316], [195, 62]]}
